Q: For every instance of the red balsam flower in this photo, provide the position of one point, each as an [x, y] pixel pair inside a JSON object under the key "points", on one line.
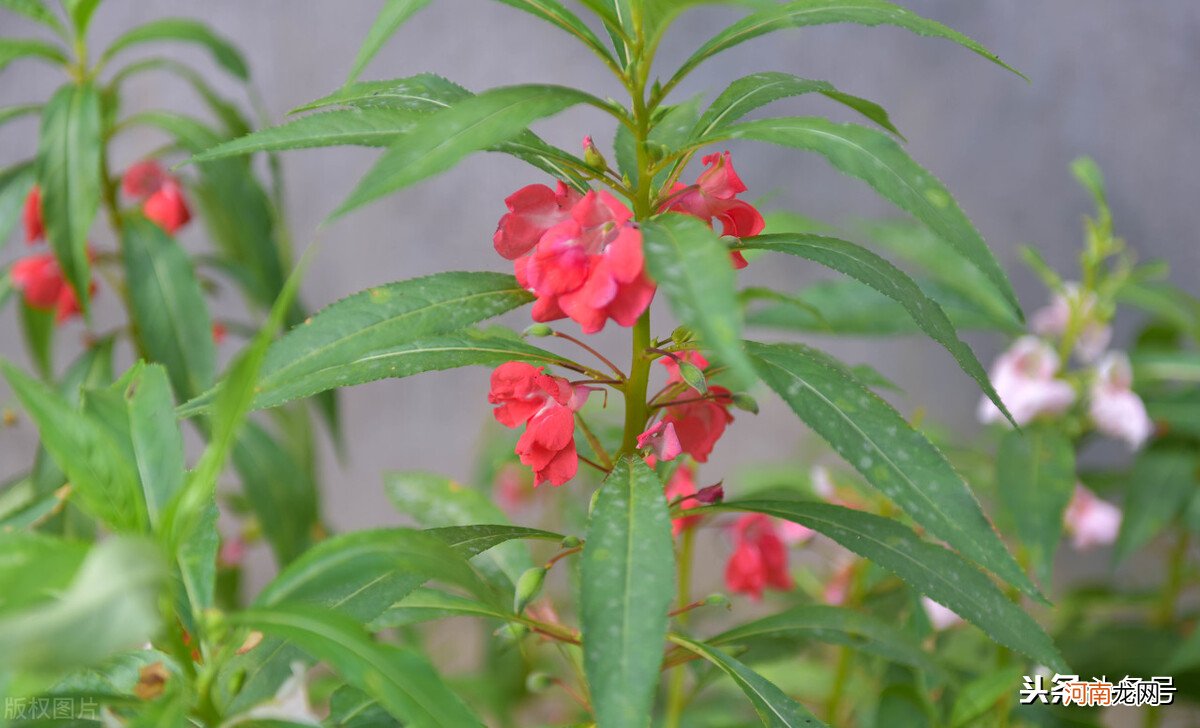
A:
{"points": [[714, 196], [759, 559], [682, 486], [31, 216], [41, 281], [698, 422], [161, 194], [546, 405]]}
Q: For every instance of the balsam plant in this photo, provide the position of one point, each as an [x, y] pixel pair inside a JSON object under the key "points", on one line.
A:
{"points": [[132, 623]]}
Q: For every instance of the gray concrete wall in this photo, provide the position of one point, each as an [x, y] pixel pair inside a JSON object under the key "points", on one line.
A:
{"points": [[1111, 78]]}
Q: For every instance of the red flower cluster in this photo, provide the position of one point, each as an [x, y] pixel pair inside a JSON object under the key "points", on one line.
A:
{"points": [[698, 422], [715, 196], [160, 193], [39, 277], [682, 485], [760, 557], [581, 255], [546, 405]]}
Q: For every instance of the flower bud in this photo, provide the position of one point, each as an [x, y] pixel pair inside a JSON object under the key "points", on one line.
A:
{"points": [[538, 682], [592, 155], [511, 633], [528, 587], [682, 335], [717, 600], [745, 402], [692, 375], [570, 542], [538, 330], [711, 494]]}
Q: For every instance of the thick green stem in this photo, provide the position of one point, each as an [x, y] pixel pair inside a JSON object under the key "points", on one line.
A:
{"points": [[636, 386], [676, 697]]}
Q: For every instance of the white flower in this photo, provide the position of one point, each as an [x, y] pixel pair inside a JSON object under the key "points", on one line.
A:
{"points": [[1052, 321], [1115, 409], [1091, 521], [940, 617], [1024, 377], [290, 703], [822, 482]]}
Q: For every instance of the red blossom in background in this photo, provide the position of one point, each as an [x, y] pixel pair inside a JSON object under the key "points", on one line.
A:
{"points": [[546, 405], [41, 281], [31, 216], [681, 484], [698, 423], [759, 559], [161, 194], [714, 196]]}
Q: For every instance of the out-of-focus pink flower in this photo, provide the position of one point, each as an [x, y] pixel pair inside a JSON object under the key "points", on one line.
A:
{"points": [[219, 333], [532, 210], [589, 267], [1115, 408], [1024, 377], [714, 196], [1054, 319], [511, 487], [682, 484], [794, 534], [661, 439], [233, 552], [162, 196], [838, 587], [526, 395], [1091, 521], [822, 483], [41, 282], [698, 423], [143, 178], [940, 617], [759, 559], [31, 216]]}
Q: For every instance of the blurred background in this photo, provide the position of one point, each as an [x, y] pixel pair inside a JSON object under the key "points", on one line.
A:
{"points": [[1112, 79]]}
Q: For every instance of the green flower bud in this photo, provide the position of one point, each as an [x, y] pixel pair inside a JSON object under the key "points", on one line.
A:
{"points": [[570, 542], [682, 335], [538, 682], [745, 402], [693, 376], [592, 155], [528, 587], [717, 600], [538, 330], [511, 633]]}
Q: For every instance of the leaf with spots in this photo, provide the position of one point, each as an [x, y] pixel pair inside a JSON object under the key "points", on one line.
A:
{"points": [[935, 571], [895, 458], [628, 576]]}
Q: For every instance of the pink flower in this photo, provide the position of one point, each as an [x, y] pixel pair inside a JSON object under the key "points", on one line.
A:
{"points": [[715, 196], [589, 267], [233, 551], [161, 194], [31, 216], [546, 405], [940, 617], [41, 281], [838, 586], [219, 333], [681, 484], [822, 483], [794, 534], [511, 487], [661, 438], [698, 423], [1091, 521], [532, 210], [1054, 319], [1024, 377], [759, 558], [1114, 407]]}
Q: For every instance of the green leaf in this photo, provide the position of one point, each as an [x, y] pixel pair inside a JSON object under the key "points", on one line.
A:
{"points": [[156, 439], [802, 13], [231, 117], [388, 331], [1159, 486], [932, 570], [1166, 366], [100, 474], [1035, 477], [15, 183], [876, 272], [878, 160], [69, 176], [439, 141], [897, 459], [833, 625], [433, 500], [183, 30], [80, 12], [751, 92], [471, 541], [423, 605], [110, 605], [370, 127], [774, 708], [35, 10], [981, 695], [556, 14], [391, 17], [690, 264], [37, 327], [627, 577], [36, 568], [403, 681], [168, 306], [12, 49], [280, 490], [352, 708]]}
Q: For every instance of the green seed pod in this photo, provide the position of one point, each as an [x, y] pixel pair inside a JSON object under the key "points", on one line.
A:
{"points": [[538, 330], [745, 402], [570, 542], [693, 376], [528, 587]]}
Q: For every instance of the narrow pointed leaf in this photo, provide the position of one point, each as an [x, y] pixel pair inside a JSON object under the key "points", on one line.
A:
{"points": [[869, 268], [156, 439], [801, 13], [1161, 483], [751, 92], [34, 10], [441, 140], [280, 491], [182, 30], [391, 17], [774, 707], [1035, 477], [424, 605], [69, 177], [881, 162], [932, 570], [628, 575], [15, 183], [471, 541], [369, 127], [895, 458], [12, 49], [556, 14], [692, 267]]}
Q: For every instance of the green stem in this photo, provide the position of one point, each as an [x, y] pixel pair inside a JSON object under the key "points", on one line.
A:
{"points": [[1170, 595], [636, 386], [676, 696]]}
